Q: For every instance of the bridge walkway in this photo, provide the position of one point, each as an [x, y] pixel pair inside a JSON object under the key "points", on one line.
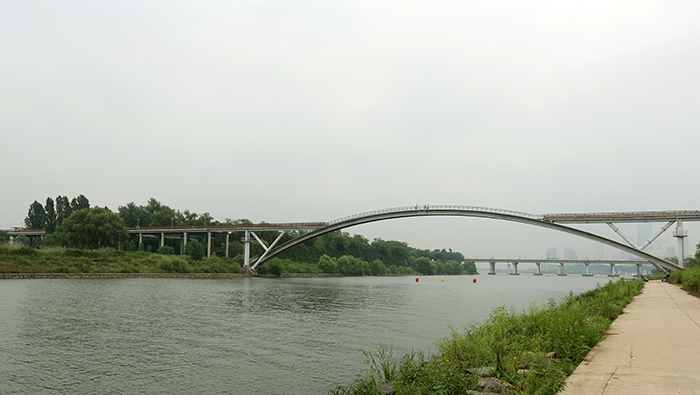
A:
{"points": [[652, 348]]}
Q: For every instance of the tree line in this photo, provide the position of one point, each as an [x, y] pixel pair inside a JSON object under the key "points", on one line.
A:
{"points": [[72, 223]]}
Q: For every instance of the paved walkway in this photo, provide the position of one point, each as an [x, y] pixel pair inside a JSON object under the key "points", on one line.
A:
{"points": [[652, 348]]}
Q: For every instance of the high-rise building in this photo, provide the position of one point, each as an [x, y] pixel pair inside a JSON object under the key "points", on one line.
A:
{"points": [[552, 253], [643, 233]]}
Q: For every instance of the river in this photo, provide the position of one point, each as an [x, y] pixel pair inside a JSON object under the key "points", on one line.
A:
{"points": [[235, 335]]}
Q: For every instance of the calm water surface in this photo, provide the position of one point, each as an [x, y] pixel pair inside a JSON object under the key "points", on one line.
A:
{"points": [[237, 335]]}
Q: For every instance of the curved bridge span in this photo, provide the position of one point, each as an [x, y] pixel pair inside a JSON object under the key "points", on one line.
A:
{"points": [[550, 221]]}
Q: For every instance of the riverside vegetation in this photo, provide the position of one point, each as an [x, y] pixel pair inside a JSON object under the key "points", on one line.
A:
{"points": [[81, 239], [532, 352]]}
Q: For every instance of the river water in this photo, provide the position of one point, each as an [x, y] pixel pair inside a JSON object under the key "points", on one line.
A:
{"points": [[235, 335]]}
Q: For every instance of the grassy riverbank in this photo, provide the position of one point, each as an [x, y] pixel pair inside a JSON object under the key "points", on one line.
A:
{"points": [[532, 352], [688, 279], [106, 260]]}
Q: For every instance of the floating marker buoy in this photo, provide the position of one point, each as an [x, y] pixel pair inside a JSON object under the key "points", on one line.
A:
{"points": [[474, 281], [416, 279], [442, 278]]}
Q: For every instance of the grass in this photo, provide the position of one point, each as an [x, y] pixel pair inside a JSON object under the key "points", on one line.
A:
{"points": [[16, 259], [515, 346], [688, 279]]}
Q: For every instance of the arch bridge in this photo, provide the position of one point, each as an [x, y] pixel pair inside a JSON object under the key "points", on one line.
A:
{"points": [[550, 221]]}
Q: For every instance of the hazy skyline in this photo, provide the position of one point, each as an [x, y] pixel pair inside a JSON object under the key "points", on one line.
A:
{"points": [[314, 110]]}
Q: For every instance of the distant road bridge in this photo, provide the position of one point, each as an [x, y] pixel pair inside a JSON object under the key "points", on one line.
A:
{"points": [[538, 262], [550, 221]]}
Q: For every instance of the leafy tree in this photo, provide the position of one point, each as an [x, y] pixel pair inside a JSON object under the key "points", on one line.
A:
{"points": [[327, 264], [195, 249], [79, 203], [63, 209], [93, 228], [36, 216], [166, 250], [4, 236], [50, 222], [163, 217], [22, 240], [134, 215]]}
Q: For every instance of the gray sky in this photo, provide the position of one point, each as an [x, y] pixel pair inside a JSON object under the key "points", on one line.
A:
{"points": [[300, 110]]}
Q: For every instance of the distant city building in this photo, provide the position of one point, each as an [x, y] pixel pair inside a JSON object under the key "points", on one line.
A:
{"points": [[552, 253], [570, 253], [643, 233]]}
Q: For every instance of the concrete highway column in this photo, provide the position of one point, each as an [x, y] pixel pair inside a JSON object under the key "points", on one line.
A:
{"points": [[539, 269], [208, 244], [162, 239], [246, 249], [227, 235], [612, 270], [140, 238], [492, 267], [561, 269], [680, 233], [184, 243], [515, 269], [588, 273]]}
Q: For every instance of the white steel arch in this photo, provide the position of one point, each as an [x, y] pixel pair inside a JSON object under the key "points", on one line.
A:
{"points": [[463, 211]]}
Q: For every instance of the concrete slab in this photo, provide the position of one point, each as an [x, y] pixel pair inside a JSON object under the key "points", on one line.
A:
{"points": [[652, 348]]}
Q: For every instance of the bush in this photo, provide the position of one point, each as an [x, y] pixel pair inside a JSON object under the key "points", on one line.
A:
{"points": [[26, 251], [173, 264], [195, 250], [166, 250]]}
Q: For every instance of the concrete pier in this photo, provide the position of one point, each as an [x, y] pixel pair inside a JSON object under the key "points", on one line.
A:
{"points": [[652, 348]]}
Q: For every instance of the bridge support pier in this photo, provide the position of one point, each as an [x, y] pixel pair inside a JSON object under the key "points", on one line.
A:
{"points": [[588, 273], [515, 269], [208, 244], [227, 237], [184, 243], [246, 248], [162, 239], [561, 269], [680, 233], [612, 270], [639, 270], [140, 239], [539, 270], [492, 268]]}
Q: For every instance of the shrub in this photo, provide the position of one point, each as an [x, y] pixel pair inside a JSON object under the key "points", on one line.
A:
{"points": [[166, 250], [26, 251], [173, 264], [195, 249]]}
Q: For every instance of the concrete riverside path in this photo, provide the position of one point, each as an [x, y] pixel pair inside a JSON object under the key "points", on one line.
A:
{"points": [[652, 348]]}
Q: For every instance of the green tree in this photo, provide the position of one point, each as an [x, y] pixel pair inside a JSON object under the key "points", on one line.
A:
{"points": [[50, 222], [134, 215], [93, 228], [195, 249], [165, 216], [79, 203], [63, 209], [35, 217], [327, 264], [4, 236]]}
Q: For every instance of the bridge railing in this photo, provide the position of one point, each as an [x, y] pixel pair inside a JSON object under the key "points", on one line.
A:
{"points": [[426, 207]]}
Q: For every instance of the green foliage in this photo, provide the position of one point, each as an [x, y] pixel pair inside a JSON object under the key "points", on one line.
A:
{"points": [[195, 249], [327, 264], [508, 341], [50, 219], [4, 236], [35, 217], [688, 279], [166, 250], [174, 264], [22, 240], [26, 251], [274, 268], [92, 228]]}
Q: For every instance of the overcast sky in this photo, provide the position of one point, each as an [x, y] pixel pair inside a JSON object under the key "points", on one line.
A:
{"points": [[285, 111]]}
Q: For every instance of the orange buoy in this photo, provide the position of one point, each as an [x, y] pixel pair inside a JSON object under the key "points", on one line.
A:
{"points": [[442, 278]]}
